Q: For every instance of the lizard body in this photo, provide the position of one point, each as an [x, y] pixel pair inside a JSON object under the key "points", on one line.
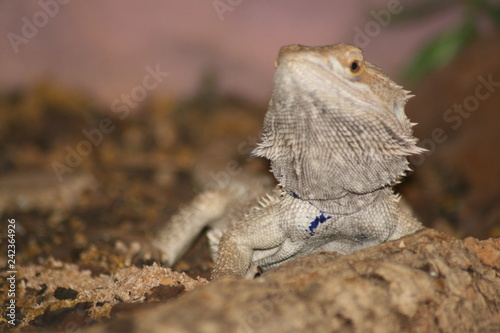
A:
{"points": [[338, 140]]}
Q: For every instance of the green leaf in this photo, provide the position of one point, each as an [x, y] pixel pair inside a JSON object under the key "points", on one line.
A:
{"points": [[439, 51]]}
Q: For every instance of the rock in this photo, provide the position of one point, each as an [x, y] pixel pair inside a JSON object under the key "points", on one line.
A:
{"points": [[426, 282]]}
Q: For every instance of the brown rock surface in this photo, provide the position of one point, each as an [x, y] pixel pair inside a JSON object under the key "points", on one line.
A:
{"points": [[51, 295], [428, 282]]}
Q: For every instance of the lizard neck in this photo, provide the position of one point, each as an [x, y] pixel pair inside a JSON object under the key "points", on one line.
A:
{"points": [[351, 203]]}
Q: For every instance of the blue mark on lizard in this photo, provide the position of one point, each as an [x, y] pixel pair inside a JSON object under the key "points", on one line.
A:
{"points": [[360, 238], [321, 218]]}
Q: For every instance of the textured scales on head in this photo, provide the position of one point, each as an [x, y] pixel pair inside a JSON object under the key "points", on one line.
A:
{"points": [[337, 138], [336, 125]]}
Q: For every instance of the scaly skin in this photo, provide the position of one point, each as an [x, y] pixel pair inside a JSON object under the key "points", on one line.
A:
{"points": [[338, 140]]}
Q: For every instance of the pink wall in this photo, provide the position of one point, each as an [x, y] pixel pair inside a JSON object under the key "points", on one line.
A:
{"points": [[103, 47]]}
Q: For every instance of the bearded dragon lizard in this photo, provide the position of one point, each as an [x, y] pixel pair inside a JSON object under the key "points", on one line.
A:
{"points": [[338, 139]]}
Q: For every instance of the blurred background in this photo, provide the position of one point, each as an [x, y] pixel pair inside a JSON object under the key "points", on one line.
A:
{"points": [[101, 48], [114, 113]]}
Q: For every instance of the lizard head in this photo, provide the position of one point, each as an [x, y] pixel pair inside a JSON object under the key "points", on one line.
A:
{"points": [[343, 65], [335, 125]]}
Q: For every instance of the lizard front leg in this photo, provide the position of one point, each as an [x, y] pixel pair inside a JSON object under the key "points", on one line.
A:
{"points": [[234, 257], [236, 248]]}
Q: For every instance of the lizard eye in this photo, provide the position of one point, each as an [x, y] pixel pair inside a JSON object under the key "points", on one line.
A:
{"points": [[355, 67]]}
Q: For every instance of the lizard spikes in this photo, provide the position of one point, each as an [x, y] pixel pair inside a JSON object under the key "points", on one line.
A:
{"points": [[329, 134]]}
